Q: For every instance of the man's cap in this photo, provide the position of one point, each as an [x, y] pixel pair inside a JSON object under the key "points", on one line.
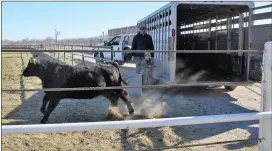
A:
{"points": [[147, 54], [142, 27]]}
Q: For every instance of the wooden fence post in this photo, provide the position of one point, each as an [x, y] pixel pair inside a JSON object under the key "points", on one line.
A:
{"points": [[72, 55], [58, 52], [55, 48], [64, 53], [83, 62]]}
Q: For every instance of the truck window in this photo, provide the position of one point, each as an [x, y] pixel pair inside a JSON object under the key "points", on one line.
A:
{"points": [[128, 40], [116, 40]]}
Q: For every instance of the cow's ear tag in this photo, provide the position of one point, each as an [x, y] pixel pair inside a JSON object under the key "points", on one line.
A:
{"points": [[33, 60]]}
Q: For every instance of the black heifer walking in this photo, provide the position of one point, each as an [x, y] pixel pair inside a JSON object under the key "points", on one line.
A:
{"points": [[56, 75]]}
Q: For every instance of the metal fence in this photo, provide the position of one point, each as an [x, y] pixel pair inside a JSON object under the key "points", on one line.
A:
{"points": [[265, 116]]}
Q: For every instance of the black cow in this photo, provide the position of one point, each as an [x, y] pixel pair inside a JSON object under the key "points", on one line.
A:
{"points": [[56, 75]]}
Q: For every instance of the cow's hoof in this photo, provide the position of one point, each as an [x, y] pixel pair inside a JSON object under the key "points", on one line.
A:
{"points": [[43, 122], [131, 112], [110, 116], [120, 118], [43, 111], [117, 118], [114, 117]]}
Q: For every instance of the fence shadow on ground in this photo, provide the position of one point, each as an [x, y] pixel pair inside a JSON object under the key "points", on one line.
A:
{"points": [[22, 94], [68, 111]]}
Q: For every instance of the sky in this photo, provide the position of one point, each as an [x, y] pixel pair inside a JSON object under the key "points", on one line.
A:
{"points": [[38, 20]]}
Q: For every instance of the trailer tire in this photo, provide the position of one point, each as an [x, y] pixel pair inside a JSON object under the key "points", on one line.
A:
{"points": [[230, 88], [127, 57], [121, 63]]}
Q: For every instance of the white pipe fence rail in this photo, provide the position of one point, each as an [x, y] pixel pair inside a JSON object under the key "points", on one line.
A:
{"points": [[265, 116], [66, 127]]}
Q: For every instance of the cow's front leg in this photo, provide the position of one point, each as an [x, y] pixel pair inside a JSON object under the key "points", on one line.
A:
{"points": [[113, 110], [51, 106], [44, 103]]}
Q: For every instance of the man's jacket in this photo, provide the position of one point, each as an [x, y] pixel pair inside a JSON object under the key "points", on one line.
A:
{"points": [[142, 42]]}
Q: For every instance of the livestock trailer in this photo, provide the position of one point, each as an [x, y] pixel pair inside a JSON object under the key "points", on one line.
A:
{"points": [[202, 26]]}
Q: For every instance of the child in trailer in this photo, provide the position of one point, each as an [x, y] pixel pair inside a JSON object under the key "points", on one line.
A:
{"points": [[147, 66]]}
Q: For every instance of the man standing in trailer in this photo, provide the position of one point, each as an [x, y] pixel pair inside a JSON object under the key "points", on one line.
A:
{"points": [[141, 41]]}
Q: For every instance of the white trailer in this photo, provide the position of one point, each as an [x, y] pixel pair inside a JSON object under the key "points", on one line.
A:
{"points": [[218, 25]]}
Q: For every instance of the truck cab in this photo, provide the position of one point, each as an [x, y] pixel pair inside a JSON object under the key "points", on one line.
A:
{"points": [[119, 43]]}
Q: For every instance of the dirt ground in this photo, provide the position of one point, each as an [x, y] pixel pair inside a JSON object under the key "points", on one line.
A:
{"points": [[24, 108]]}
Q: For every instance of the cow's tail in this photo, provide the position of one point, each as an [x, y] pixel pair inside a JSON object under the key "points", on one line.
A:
{"points": [[123, 80], [120, 75]]}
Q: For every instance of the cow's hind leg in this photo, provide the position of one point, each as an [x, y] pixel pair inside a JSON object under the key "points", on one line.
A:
{"points": [[44, 103], [124, 96], [51, 106]]}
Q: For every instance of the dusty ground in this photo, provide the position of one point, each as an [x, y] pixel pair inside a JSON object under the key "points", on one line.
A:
{"points": [[23, 108]]}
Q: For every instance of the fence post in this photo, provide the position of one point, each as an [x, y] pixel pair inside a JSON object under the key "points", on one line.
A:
{"points": [[248, 56], [64, 53], [72, 55], [99, 55], [82, 56], [209, 34], [58, 52], [216, 33], [266, 105], [111, 53]]}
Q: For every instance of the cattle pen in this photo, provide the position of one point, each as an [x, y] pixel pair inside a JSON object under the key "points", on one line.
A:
{"points": [[264, 116]]}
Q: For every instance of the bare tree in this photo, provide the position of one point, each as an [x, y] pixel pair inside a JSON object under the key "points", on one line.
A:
{"points": [[49, 40]]}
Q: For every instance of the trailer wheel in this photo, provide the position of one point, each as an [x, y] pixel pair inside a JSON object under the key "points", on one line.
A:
{"points": [[127, 57], [230, 88], [121, 62]]}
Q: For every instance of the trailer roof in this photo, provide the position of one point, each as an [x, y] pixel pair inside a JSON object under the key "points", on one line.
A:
{"points": [[157, 11], [250, 4]]}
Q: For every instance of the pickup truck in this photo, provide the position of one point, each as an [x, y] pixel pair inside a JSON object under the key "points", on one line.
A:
{"points": [[120, 43]]}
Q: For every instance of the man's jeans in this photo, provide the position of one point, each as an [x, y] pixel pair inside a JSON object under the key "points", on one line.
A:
{"points": [[138, 61]]}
